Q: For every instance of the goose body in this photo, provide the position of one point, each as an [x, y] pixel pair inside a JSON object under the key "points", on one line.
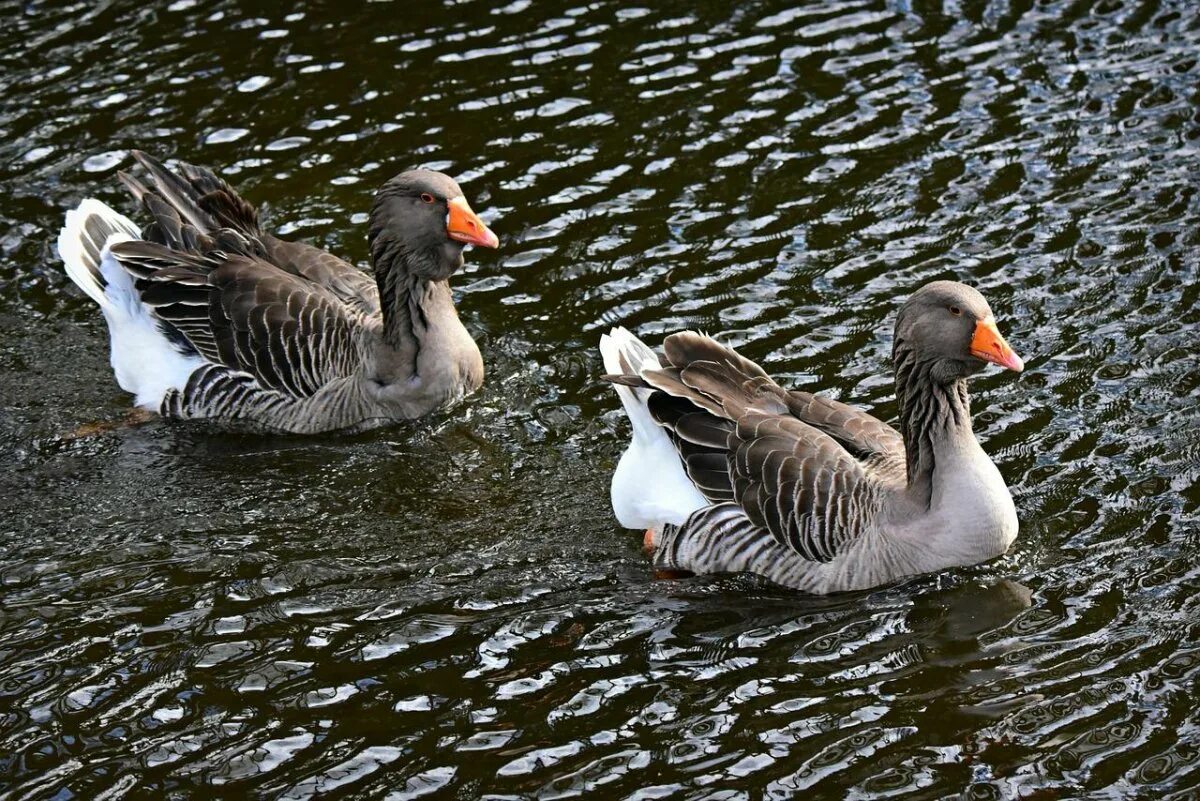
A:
{"points": [[730, 472], [212, 317]]}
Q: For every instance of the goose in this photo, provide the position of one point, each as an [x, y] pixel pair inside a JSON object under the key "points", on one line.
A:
{"points": [[728, 472], [212, 317]]}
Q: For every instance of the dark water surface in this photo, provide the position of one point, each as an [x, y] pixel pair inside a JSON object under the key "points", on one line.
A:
{"points": [[448, 609]]}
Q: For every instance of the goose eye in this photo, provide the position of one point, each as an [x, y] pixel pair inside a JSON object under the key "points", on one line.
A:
{"points": [[957, 312], [428, 198]]}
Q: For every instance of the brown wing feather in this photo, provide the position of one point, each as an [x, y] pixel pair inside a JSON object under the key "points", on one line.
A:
{"points": [[262, 317], [197, 196], [240, 312], [797, 483], [193, 202], [686, 347], [796, 463], [349, 284], [859, 432]]}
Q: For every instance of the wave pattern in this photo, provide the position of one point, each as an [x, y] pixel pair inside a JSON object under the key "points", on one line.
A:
{"points": [[448, 610]]}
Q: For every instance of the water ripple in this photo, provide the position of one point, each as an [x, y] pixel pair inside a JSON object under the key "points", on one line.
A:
{"points": [[448, 608]]}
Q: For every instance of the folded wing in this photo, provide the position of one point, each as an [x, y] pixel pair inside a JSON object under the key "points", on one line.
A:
{"points": [[240, 312], [807, 470]]}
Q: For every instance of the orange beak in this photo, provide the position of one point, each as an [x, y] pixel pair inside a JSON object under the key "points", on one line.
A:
{"points": [[987, 344], [463, 225]]}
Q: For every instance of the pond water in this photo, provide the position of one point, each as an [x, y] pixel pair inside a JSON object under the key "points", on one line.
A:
{"points": [[448, 609]]}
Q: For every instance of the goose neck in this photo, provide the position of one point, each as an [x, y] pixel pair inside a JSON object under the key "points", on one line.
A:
{"points": [[934, 415]]}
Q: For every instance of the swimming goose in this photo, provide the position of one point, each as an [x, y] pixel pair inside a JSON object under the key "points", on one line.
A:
{"points": [[210, 316], [729, 472]]}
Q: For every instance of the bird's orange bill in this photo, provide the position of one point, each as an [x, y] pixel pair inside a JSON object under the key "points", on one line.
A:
{"points": [[987, 344], [464, 225]]}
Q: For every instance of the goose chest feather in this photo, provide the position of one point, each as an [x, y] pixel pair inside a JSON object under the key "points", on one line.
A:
{"points": [[445, 368]]}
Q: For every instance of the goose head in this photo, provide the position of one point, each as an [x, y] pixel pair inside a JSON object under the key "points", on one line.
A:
{"points": [[950, 328], [421, 217]]}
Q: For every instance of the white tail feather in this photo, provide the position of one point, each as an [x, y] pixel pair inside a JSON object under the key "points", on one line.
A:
{"points": [[650, 488], [625, 354], [83, 238], [145, 362]]}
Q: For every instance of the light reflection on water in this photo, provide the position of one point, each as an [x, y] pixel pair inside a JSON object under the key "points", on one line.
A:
{"points": [[448, 608]]}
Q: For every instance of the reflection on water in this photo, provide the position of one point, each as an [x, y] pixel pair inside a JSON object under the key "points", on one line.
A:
{"points": [[448, 609]]}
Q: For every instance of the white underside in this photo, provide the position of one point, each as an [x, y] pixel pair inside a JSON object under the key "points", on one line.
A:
{"points": [[650, 487], [143, 359]]}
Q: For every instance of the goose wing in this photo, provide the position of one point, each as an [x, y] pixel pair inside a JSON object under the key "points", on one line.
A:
{"points": [[236, 310], [805, 471], [197, 198], [860, 433], [798, 483], [349, 284]]}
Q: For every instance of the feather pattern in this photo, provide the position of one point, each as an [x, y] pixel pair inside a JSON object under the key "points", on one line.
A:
{"points": [[723, 408], [810, 492], [281, 335], [242, 313]]}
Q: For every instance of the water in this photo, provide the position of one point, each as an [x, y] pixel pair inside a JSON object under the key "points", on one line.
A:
{"points": [[448, 609]]}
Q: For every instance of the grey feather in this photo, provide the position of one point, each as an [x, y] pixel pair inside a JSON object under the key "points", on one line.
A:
{"points": [[294, 338], [816, 494]]}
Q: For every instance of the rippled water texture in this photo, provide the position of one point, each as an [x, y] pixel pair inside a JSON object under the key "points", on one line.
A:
{"points": [[449, 609]]}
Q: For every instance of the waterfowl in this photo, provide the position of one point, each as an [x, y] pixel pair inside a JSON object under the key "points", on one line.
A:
{"points": [[210, 316], [729, 472]]}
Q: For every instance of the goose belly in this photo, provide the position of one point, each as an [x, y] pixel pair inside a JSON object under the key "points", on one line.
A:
{"points": [[730, 544], [722, 539]]}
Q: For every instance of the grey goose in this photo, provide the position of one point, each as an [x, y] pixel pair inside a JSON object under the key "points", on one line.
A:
{"points": [[729, 472], [211, 316]]}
